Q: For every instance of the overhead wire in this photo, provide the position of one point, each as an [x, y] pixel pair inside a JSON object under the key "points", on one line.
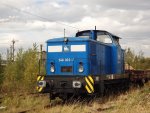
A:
{"points": [[3, 43], [35, 15]]}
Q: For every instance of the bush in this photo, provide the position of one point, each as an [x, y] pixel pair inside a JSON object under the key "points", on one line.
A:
{"points": [[1, 72], [20, 75]]}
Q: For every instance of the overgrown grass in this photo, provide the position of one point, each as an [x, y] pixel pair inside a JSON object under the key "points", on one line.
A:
{"points": [[134, 101], [17, 103]]}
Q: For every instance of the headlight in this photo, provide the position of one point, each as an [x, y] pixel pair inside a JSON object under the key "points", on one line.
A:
{"points": [[42, 83], [81, 69], [52, 68], [76, 84]]}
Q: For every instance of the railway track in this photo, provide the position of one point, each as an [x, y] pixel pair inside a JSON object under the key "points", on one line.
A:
{"points": [[59, 103]]}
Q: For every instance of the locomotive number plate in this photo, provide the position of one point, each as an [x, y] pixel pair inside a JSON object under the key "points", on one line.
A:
{"points": [[66, 59]]}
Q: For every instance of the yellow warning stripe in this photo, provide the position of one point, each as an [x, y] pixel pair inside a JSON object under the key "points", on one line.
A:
{"points": [[42, 78], [89, 91], [91, 79], [40, 89], [88, 82], [37, 87], [38, 79]]}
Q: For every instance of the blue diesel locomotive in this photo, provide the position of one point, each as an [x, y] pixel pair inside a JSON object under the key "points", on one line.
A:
{"points": [[88, 63]]}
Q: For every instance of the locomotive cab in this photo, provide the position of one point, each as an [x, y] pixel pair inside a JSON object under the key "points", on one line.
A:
{"points": [[111, 41], [99, 35]]}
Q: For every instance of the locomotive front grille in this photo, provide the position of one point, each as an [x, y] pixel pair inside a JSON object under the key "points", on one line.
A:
{"points": [[66, 69]]}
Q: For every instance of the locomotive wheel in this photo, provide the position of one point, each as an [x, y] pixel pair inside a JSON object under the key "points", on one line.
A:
{"points": [[146, 80], [141, 83], [52, 96], [102, 88], [63, 96]]}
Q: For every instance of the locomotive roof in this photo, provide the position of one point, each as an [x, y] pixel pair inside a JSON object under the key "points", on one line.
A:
{"points": [[70, 38], [114, 36], [81, 39]]}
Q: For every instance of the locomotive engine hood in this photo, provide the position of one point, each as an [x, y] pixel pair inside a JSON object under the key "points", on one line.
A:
{"points": [[67, 58]]}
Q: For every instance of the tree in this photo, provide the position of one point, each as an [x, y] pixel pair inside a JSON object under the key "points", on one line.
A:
{"points": [[1, 72], [0, 63], [129, 56], [137, 61], [21, 74], [31, 70]]}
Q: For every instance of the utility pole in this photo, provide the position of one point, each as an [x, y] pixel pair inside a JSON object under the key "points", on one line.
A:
{"points": [[40, 58], [11, 53], [8, 55], [13, 49], [64, 33], [41, 47]]}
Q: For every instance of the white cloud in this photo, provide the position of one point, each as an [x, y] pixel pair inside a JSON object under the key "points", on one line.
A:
{"points": [[129, 20]]}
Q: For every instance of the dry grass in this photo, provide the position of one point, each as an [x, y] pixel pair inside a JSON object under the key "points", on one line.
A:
{"points": [[134, 101]]}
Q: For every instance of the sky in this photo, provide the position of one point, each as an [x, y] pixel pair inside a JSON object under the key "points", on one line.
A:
{"points": [[30, 21]]}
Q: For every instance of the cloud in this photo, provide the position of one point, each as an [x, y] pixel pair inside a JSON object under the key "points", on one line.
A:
{"points": [[38, 20]]}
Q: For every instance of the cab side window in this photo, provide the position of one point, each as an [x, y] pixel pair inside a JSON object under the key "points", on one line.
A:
{"points": [[116, 40], [84, 35], [104, 38]]}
